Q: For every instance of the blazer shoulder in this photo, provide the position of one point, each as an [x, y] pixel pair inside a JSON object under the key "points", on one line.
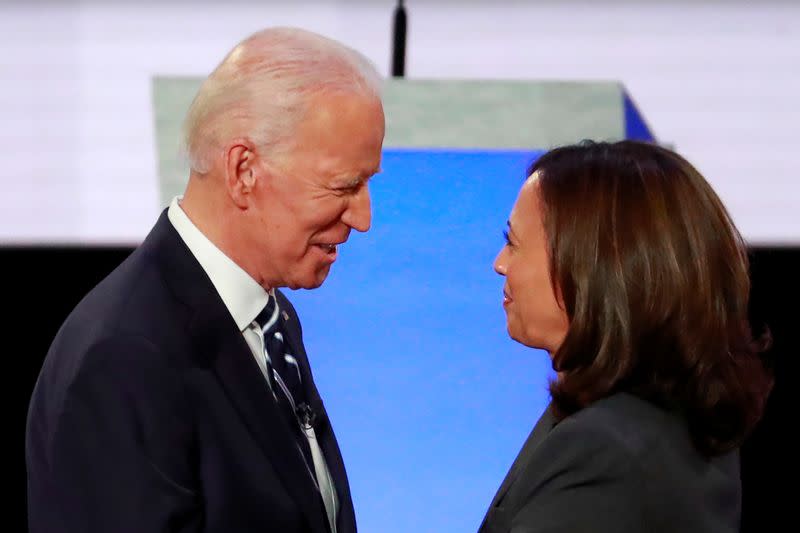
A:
{"points": [[621, 464], [130, 321], [581, 476], [592, 433], [634, 424], [601, 448]]}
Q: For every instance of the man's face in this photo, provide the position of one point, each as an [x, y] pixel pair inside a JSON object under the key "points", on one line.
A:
{"points": [[307, 201]]}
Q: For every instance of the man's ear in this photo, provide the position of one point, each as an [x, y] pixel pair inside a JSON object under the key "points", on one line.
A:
{"points": [[240, 169]]}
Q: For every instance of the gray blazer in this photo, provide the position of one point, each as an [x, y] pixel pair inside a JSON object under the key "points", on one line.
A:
{"points": [[620, 465]]}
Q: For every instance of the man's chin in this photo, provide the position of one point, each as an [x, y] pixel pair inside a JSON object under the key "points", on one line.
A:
{"points": [[313, 281]]}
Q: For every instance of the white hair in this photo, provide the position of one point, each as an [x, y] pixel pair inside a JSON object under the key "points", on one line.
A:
{"points": [[262, 88]]}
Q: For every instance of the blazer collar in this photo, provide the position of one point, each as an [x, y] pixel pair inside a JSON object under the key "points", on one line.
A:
{"points": [[537, 435]]}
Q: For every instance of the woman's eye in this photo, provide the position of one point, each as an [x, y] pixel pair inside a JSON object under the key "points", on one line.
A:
{"points": [[508, 240]]}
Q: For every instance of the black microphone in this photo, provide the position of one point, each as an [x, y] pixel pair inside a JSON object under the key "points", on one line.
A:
{"points": [[306, 415], [399, 41]]}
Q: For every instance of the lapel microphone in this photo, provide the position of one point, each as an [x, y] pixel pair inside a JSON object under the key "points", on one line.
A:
{"points": [[305, 415]]}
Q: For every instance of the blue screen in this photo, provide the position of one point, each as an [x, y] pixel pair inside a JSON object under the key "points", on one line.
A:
{"points": [[429, 397]]}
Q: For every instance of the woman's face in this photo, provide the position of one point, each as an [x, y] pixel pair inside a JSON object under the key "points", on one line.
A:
{"points": [[534, 315]]}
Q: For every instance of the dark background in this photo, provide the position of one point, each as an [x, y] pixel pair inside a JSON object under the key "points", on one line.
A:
{"points": [[43, 284]]}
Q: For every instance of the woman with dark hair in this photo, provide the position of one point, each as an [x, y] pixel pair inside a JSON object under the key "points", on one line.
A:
{"points": [[623, 264]]}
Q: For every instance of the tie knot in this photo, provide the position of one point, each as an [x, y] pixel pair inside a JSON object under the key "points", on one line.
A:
{"points": [[267, 319]]}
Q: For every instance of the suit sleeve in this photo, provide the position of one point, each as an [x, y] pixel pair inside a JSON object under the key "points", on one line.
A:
{"points": [[582, 479], [122, 449]]}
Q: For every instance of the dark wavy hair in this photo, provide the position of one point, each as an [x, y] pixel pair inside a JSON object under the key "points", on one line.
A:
{"points": [[655, 281]]}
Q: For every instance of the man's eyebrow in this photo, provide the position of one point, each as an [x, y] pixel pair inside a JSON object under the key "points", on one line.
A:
{"points": [[353, 181], [347, 182]]}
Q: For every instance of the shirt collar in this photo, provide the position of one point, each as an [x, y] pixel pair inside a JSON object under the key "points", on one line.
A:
{"points": [[240, 293]]}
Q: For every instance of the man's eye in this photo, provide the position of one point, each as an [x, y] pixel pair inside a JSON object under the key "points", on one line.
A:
{"points": [[352, 189]]}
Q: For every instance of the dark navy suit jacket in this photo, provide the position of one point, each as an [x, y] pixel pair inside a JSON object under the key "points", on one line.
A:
{"points": [[151, 415]]}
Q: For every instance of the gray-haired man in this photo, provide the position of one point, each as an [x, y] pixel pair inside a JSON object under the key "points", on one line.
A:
{"points": [[177, 397]]}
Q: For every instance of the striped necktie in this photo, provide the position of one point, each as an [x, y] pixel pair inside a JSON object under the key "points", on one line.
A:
{"points": [[283, 374], [285, 378]]}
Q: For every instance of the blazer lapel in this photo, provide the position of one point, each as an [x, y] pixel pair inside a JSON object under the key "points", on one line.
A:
{"points": [[220, 346], [539, 432], [242, 380]]}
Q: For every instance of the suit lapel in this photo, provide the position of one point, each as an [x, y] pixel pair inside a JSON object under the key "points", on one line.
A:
{"points": [[345, 521], [537, 435], [243, 382], [220, 345]]}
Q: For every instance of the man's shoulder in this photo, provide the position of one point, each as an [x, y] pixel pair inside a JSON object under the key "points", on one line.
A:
{"points": [[133, 301], [134, 291], [122, 325]]}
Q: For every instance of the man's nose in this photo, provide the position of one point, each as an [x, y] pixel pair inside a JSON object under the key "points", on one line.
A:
{"points": [[359, 211]]}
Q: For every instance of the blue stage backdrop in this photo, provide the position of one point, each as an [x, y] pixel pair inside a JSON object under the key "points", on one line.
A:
{"points": [[430, 398]]}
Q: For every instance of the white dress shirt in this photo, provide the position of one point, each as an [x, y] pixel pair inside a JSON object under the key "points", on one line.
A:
{"points": [[244, 299]]}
